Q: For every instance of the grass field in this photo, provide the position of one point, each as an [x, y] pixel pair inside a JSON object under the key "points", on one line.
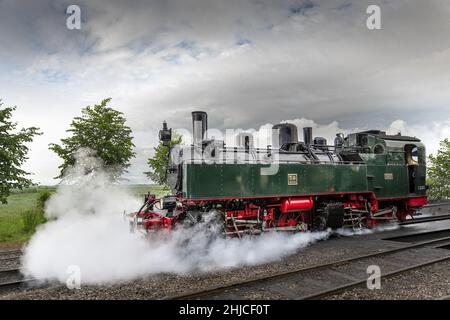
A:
{"points": [[19, 217]]}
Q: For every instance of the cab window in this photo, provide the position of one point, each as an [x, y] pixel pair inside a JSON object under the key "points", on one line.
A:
{"points": [[411, 155]]}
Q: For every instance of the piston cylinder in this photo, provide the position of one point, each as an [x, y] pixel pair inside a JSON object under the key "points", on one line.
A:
{"points": [[296, 204]]}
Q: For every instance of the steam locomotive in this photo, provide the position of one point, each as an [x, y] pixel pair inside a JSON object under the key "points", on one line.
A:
{"points": [[363, 179]]}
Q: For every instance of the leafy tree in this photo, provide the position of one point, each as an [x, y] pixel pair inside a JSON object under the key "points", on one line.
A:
{"points": [[158, 164], [101, 130], [439, 172], [13, 153]]}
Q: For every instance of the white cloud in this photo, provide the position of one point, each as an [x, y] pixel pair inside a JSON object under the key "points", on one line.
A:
{"points": [[245, 62]]}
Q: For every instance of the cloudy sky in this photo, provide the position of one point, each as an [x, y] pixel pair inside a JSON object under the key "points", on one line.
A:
{"points": [[247, 63]]}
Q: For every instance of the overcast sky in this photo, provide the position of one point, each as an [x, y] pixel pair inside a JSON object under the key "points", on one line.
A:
{"points": [[247, 63]]}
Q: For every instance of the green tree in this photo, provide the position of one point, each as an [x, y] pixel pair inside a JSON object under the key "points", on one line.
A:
{"points": [[13, 153], [439, 172], [158, 164], [101, 130]]}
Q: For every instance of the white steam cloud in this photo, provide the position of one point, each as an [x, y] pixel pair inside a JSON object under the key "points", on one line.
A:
{"points": [[364, 231], [88, 231]]}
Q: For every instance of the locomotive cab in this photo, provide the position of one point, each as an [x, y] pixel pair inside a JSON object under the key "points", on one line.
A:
{"points": [[414, 158]]}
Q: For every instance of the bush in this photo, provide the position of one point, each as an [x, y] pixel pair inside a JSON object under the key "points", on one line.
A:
{"points": [[42, 198], [439, 172], [31, 218]]}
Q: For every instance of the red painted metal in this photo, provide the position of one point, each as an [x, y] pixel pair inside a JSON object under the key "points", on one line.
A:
{"points": [[281, 211], [153, 220], [296, 204], [399, 198], [417, 202]]}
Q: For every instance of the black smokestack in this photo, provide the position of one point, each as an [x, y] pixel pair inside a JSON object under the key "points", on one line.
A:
{"points": [[199, 127], [307, 135]]}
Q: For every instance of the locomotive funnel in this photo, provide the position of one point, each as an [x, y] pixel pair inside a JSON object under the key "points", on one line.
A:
{"points": [[199, 127], [307, 135]]}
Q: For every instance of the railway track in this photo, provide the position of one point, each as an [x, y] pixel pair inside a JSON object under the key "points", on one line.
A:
{"points": [[10, 255], [426, 219], [325, 293], [315, 282], [11, 279], [13, 251], [432, 205]]}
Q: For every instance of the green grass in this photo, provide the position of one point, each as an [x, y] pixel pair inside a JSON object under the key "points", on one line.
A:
{"points": [[12, 227], [20, 217]]}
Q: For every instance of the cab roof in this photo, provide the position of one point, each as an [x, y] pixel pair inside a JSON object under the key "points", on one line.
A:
{"points": [[383, 135]]}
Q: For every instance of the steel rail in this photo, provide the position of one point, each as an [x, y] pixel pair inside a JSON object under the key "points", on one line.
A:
{"points": [[9, 259], [431, 205], [426, 219], [13, 283], [8, 252], [10, 272], [10, 256]]}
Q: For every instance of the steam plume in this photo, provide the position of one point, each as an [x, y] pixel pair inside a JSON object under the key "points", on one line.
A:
{"points": [[87, 230]]}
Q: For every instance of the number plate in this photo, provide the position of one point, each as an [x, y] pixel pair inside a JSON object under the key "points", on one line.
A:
{"points": [[292, 179]]}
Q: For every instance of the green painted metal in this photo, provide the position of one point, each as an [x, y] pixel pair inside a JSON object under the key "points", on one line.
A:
{"points": [[245, 180], [386, 174]]}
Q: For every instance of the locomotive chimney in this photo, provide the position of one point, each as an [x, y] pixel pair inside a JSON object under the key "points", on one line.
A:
{"points": [[199, 127], [307, 135]]}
